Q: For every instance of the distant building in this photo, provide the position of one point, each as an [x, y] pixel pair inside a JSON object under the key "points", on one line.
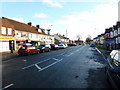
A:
{"points": [[61, 39]]}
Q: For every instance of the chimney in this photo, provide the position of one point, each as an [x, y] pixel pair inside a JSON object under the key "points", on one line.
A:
{"points": [[110, 28], [30, 23], [48, 31], [38, 26], [114, 27], [118, 24]]}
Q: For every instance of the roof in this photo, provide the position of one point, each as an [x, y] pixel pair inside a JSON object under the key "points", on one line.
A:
{"points": [[62, 37], [21, 26]]}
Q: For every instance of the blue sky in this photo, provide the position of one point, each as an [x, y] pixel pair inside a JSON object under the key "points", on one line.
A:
{"points": [[78, 17]]}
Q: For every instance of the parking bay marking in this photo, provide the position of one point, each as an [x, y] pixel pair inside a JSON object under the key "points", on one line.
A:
{"points": [[36, 63], [41, 69], [38, 67], [50, 65], [7, 86]]}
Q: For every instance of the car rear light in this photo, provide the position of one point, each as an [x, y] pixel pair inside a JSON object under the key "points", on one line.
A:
{"points": [[27, 50]]}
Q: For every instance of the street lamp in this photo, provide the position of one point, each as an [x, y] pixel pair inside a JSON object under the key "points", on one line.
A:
{"points": [[48, 30]]}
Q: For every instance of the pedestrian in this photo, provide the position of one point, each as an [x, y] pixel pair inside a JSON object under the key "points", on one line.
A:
{"points": [[11, 48]]}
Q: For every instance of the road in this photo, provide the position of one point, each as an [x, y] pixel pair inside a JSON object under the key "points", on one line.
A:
{"points": [[74, 67]]}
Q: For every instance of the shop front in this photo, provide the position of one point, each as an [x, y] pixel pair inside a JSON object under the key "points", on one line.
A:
{"points": [[19, 42], [6, 43]]}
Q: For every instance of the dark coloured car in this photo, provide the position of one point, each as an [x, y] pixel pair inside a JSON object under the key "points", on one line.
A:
{"points": [[92, 45], [27, 50], [72, 44], [54, 46], [112, 69], [44, 47]]}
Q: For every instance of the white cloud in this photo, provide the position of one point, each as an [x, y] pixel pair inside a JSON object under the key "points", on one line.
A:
{"points": [[18, 19], [53, 3], [91, 22], [40, 15]]}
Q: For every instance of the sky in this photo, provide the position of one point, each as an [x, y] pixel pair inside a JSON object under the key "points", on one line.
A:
{"points": [[65, 17]]}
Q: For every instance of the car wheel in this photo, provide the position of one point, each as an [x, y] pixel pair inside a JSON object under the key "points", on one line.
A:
{"points": [[29, 53], [43, 51], [37, 52], [20, 54], [48, 50]]}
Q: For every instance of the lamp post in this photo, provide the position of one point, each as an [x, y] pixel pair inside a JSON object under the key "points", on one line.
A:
{"points": [[48, 30]]}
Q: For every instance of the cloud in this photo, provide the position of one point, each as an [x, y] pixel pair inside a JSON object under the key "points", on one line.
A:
{"points": [[40, 15], [53, 3], [91, 22]]}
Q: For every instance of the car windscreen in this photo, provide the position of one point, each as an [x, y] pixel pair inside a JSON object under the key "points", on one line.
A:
{"points": [[31, 47], [117, 57], [23, 48]]}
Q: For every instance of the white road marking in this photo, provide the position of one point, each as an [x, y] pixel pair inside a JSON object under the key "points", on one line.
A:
{"points": [[38, 67], [101, 54], [7, 86], [35, 63], [55, 59], [24, 60], [70, 54], [50, 65]]}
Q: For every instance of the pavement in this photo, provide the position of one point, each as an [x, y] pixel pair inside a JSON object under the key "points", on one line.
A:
{"points": [[7, 55], [104, 53]]}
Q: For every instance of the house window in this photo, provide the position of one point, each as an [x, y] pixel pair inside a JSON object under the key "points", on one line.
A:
{"points": [[36, 36], [3, 30], [20, 34], [26, 35], [31, 36], [118, 30], [9, 31], [119, 39]]}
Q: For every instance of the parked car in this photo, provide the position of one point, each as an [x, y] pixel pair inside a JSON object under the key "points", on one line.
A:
{"points": [[27, 50], [44, 47], [61, 46], [92, 45], [112, 69], [65, 45], [54, 46], [72, 44]]}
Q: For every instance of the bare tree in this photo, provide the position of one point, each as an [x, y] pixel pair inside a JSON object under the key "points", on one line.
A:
{"points": [[88, 39], [79, 37]]}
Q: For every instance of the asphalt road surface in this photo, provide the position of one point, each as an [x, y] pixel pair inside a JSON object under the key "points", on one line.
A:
{"points": [[74, 67]]}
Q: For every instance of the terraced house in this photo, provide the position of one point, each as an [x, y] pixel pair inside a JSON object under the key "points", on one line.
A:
{"points": [[6, 36], [111, 38], [26, 33]]}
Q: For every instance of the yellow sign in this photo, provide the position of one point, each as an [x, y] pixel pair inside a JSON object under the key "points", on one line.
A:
{"points": [[6, 38]]}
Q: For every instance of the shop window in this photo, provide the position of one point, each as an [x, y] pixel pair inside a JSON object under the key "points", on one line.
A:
{"points": [[3, 30], [9, 31]]}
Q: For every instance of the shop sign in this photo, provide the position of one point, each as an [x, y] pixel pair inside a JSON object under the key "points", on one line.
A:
{"points": [[20, 39], [6, 38]]}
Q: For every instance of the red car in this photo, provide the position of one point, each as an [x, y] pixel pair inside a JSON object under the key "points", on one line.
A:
{"points": [[27, 50]]}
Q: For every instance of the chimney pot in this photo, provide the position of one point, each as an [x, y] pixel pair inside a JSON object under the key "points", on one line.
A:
{"points": [[38, 26], [30, 23]]}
